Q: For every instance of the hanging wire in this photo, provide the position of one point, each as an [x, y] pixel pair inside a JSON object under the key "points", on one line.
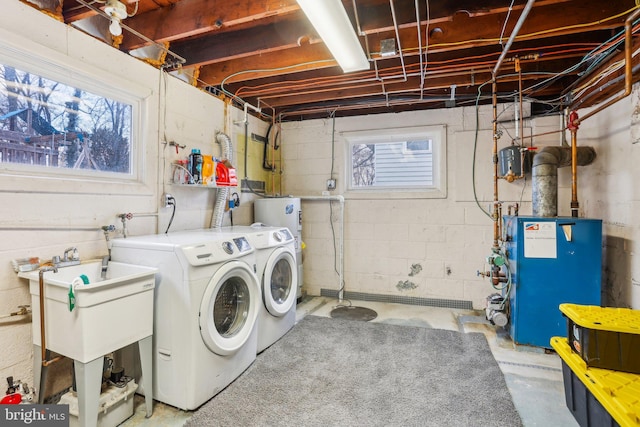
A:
{"points": [[506, 20]]}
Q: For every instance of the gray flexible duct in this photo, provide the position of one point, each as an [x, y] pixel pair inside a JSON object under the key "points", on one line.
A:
{"points": [[545, 176], [223, 192]]}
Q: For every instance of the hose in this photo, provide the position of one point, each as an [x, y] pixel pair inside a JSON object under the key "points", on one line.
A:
{"points": [[223, 193]]}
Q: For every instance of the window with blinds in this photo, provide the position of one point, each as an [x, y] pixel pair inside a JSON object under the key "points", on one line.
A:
{"points": [[399, 159]]}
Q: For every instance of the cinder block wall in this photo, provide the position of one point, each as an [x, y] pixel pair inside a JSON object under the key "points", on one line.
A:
{"points": [[447, 239]]}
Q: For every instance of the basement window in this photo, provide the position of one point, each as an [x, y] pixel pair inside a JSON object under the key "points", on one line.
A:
{"points": [[45, 123], [397, 163]]}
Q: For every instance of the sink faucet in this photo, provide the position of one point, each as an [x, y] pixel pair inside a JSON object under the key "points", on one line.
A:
{"points": [[69, 258], [74, 254]]}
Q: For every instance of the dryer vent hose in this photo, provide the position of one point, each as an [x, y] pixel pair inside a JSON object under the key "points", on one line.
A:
{"points": [[218, 210], [223, 192], [225, 142]]}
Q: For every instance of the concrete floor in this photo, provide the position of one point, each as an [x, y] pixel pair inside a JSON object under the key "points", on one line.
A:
{"points": [[533, 377]]}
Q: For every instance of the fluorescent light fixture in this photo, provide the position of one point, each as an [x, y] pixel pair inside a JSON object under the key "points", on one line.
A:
{"points": [[331, 21]]}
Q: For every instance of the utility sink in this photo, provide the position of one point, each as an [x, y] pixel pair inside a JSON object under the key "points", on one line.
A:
{"points": [[108, 314]]}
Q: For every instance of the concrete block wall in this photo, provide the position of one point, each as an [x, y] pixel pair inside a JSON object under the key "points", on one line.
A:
{"points": [[608, 189], [416, 247], [433, 248]]}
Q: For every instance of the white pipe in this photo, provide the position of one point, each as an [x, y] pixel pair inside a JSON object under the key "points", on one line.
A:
{"points": [[339, 199], [514, 34], [246, 111]]}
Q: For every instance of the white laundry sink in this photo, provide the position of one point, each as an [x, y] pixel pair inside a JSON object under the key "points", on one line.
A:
{"points": [[109, 313]]}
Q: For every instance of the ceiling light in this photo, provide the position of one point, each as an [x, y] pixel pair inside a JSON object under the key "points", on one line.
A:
{"points": [[116, 11], [330, 20]]}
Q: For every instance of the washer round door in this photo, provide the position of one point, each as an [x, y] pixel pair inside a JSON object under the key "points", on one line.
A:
{"points": [[280, 282], [229, 308]]}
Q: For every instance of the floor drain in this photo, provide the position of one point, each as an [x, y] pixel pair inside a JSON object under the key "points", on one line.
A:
{"points": [[354, 313]]}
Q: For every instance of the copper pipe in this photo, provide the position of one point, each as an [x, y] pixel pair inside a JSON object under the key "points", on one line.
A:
{"points": [[546, 133], [574, 121], [43, 340], [52, 361], [628, 67], [573, 127], [496, 219]]}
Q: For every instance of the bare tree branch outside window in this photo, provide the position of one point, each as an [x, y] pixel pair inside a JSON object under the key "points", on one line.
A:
{"points": [[44, 122]]}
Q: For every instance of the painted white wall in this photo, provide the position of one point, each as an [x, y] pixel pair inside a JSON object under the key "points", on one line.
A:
{"points": [[172, 111], [447, 237], [608, 189], [450, 237]]}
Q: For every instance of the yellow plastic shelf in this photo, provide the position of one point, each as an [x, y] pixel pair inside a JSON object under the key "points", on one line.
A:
{"points": [[618, 392], [623, 320]]}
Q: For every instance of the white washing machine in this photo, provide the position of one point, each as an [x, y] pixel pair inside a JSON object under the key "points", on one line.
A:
{"points": [[206, 305]]}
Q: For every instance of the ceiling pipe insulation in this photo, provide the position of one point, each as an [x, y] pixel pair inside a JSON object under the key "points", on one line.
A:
{"points": [[545, 176]]}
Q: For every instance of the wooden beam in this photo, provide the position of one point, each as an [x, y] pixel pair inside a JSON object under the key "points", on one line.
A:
{"points": [[377, 18], [282, 62], [462, 34], [189, 18], [260, 40]]}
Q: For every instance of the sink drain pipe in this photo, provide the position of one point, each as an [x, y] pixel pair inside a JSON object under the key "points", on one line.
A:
{"points": [[43, 341]]}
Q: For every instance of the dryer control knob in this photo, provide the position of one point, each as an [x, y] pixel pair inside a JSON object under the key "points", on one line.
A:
{"points": [[277, 236], [227, 247]]}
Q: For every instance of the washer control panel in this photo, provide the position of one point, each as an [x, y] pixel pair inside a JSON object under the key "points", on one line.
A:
{"points": [[216, 251]]}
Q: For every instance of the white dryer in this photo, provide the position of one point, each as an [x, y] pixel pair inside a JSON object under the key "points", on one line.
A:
{"points": [[278, 273], [206, 305]]}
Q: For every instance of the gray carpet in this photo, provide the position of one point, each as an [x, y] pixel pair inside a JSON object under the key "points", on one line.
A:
{"points": [[335, 372]]}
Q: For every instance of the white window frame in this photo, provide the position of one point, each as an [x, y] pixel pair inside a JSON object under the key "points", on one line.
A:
{"points": [[30, 57], [437, 135]]}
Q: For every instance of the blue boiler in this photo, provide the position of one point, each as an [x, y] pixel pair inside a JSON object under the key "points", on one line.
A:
{"points": [[551, 261]]}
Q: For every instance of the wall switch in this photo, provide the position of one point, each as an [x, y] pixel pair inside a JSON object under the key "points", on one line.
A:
{"points": [[331, 184]]}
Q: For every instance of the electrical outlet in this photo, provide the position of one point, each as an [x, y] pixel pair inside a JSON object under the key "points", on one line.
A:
{"points": [[331, 184], [168, 200]]}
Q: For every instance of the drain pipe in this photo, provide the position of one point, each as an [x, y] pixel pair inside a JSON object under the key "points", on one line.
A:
{"points": [[43, 341], [545, 175], [339, 199]]}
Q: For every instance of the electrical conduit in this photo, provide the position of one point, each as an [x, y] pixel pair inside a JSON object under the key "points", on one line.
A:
{"points": [[339, 199]]}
